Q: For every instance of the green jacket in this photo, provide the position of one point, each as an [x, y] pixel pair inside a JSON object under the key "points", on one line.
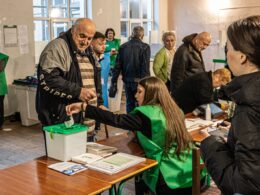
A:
{"points": [[176, 173], [112, 44], [3, 86], [160, 65]]}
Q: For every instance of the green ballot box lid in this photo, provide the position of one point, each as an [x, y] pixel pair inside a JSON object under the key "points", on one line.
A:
{"points": [[62, 129]]}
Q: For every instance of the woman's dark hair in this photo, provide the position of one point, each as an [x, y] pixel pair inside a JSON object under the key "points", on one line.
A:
{"points": [[244, 36], [110, 29]]}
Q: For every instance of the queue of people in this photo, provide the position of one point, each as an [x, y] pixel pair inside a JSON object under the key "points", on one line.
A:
{"points": [[70, 70]]}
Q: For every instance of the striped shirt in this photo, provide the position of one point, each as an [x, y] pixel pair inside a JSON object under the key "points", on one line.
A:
{"points": [[87, 75]]}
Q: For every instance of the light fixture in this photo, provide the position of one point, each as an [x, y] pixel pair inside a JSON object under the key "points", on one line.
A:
{"points": [[215, 5]]}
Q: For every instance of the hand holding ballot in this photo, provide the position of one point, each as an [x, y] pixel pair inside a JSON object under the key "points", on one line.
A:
{"points": [[76, 108]]}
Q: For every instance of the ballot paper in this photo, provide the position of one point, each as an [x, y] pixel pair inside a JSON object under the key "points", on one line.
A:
{"points": [[196, 123], [115, 163], [69, 123]]}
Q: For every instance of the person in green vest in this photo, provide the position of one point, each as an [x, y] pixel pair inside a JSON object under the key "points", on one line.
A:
{"points": [[112, 46], [161, 131], [3, 86]]}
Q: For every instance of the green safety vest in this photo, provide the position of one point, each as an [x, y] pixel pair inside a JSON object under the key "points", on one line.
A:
{"points": [[176, 172], [3, 85], [112, 44]]}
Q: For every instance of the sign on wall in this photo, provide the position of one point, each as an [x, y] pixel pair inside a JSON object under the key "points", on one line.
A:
{"points": [[10, 36]]}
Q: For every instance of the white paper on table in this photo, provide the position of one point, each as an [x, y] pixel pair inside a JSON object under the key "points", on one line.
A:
{"points": [[196, 123]]}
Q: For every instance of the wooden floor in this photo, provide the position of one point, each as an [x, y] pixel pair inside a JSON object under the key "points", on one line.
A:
{"points": [[26, 143]]}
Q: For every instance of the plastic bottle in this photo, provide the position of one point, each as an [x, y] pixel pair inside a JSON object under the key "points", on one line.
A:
{"points": [[208, 113]]}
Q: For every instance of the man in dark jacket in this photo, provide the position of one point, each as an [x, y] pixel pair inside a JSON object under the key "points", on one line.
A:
{"points": [[133, 60], [188, 59], [198, 89], [61, 74]]}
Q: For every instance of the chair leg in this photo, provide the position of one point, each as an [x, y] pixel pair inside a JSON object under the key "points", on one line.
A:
{"points": [[107, 135], [196, 171]]}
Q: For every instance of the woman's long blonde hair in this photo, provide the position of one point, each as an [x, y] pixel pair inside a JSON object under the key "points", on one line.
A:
{"points": [[156, 93]]}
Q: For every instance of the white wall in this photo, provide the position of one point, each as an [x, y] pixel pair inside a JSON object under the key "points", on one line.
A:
{"points": [[106, 14], [192, 16], [163, 20], [184, 16], [16, 12]]}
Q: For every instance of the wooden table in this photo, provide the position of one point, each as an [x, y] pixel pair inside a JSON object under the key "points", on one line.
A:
{"points": [[197, 135], [125, 144], [120, 177], [35, 177]]}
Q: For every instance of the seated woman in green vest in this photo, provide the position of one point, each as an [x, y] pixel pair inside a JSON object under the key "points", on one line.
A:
{"points": [[161, 131]]}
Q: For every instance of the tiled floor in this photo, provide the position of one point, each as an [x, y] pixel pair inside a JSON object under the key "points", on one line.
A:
{"points": [[20, 145]]}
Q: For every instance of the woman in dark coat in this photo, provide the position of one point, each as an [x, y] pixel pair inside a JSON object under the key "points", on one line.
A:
{"points": [[235, 165]]}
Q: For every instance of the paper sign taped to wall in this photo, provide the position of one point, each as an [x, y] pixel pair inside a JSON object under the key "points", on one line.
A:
{"points": [[10, 36]]}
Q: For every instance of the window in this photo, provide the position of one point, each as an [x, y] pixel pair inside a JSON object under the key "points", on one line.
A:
{"points": [[51, 17], [136, 13]]}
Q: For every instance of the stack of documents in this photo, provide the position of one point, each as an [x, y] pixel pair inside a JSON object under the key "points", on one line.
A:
{"points": [[115, 163], [86, 158], [196, 123], [99, 149]]}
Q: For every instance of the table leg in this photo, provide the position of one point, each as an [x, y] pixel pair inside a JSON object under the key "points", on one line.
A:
{"points": [[112, 190], [121, 187]]}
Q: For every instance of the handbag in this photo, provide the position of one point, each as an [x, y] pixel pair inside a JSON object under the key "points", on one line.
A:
{"points": [[112, 90]]}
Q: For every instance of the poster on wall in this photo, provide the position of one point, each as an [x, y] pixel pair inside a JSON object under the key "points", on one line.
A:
{"points": [[23, 39], [10, 36]]}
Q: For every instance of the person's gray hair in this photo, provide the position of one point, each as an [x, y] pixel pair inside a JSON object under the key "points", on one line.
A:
{"points": [[81, 21], [138, 32], [168, 33]]}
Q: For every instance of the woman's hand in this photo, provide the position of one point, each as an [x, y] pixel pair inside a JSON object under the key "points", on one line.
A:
{"points": [[76, 108], [103, 107], [225, 125]]}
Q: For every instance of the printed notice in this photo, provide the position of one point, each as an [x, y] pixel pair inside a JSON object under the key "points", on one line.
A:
{"points": [[10, 36], [23, 39]]}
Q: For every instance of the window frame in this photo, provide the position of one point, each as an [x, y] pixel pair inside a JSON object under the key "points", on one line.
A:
{"points": [[140, 20], [51, 20]]}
